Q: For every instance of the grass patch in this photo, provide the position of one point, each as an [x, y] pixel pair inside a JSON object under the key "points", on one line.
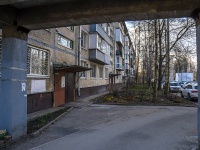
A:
{"points": [[39, 122], [143, 95]]}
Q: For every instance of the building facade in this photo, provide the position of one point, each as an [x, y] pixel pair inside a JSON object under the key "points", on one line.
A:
{"points": [[69, 63]]}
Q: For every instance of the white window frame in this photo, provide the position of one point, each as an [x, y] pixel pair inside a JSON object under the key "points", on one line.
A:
{"points": [[39, 74], [63, 41], [93, 73], [100, 72], [71, 28], [84, 73], [106, 73], [83, 40]]}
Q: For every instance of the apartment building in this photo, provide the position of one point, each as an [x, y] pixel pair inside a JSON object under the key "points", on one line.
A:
{"points": [[69, 63]]}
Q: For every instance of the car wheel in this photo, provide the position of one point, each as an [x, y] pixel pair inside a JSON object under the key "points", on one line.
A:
{"points": [[182, 95], [189, 98]]}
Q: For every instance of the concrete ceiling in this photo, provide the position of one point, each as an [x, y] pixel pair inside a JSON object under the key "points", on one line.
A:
{"points": [[38, 14]]}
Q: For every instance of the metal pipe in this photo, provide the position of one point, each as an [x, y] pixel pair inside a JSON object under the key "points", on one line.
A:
{"points": [[114, 48], [79, 61]]}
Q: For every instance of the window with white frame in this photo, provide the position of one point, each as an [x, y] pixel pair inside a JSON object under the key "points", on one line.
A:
{"points": [[105, 27], [93, 71], [83, 39], [106, 73], [99, 44], [70, 28], [84, 64], [37, 62], [65, 41], [100, 72], [0, 53], [103, 46]]}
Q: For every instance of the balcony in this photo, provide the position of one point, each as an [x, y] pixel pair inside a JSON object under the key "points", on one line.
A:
{"points": [[119, 53], [119, 36], [127, 67], [99, 57], [97, 28], [119, 67]]}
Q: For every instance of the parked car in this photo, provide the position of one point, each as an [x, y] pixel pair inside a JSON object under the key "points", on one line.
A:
{"points": [[174, 87], [181, 83], [190, 92], [188, 82]]}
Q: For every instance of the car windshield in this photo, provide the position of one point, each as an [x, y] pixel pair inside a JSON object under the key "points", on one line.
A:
{"points": [[174, 84], [196, 87]]}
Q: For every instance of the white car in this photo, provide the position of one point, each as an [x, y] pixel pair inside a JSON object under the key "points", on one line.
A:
{"points": [[174, 87], [190, 92], [188, 82]]}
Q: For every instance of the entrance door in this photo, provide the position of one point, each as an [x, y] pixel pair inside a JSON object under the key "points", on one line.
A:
{"points": [[59, 88], [70, 87]]}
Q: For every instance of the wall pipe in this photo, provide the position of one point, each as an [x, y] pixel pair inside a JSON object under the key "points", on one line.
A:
{"points": [[79, 61]]}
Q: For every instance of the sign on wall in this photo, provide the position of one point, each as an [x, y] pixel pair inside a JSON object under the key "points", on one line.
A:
{"points": [[63, 82], [38, 86]]}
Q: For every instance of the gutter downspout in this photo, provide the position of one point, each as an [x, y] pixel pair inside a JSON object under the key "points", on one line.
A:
{"points": [[79, 60], [114, 48]]}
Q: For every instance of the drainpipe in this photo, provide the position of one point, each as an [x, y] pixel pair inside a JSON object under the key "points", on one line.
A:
{"points": [[79, 60], [114, 48]]}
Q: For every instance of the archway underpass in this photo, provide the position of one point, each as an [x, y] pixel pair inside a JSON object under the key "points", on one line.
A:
{"points": [[18, 17]]}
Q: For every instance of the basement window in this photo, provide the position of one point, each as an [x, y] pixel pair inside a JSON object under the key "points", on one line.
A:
{"points": [[37, 62]]}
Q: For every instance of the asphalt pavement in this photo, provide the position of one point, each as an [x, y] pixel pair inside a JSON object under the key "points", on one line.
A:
{"points": [[107, 127]]}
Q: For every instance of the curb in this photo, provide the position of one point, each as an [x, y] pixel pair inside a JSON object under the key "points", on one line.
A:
{"points": [[36, 133]]}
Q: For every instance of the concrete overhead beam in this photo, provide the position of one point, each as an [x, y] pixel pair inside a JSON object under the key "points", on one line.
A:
{"points": [[52, 13], [8, 15], [88, 11], [6, 2]]}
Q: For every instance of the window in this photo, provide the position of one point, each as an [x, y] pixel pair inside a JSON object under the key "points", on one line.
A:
{"points": [[93, 71], [126, 57], [189, 87], [106, 73], [84, 64], [65, 42], [71, 28], [103, 46], [105, 27], [0, 53], [111, 51], [100, 72], [37, 62], [83, 39], [99, 43], [117, 59], [111, 63]]}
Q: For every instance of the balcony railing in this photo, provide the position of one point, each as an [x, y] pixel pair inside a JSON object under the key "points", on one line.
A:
{"points": [[119, 52], [99, 57], [119, 67], [97, 28], [119, 36]]}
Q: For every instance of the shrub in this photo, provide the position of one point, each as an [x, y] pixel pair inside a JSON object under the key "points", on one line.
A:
{"points": [[2, 134]]}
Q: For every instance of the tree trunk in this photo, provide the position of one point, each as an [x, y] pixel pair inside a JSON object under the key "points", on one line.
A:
{"points": [[168, 62], [160, 58], [155, 64]]}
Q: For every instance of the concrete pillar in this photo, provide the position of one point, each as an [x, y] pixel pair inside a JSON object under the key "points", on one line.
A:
{"points": [[198, 71], [13, 99]]}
